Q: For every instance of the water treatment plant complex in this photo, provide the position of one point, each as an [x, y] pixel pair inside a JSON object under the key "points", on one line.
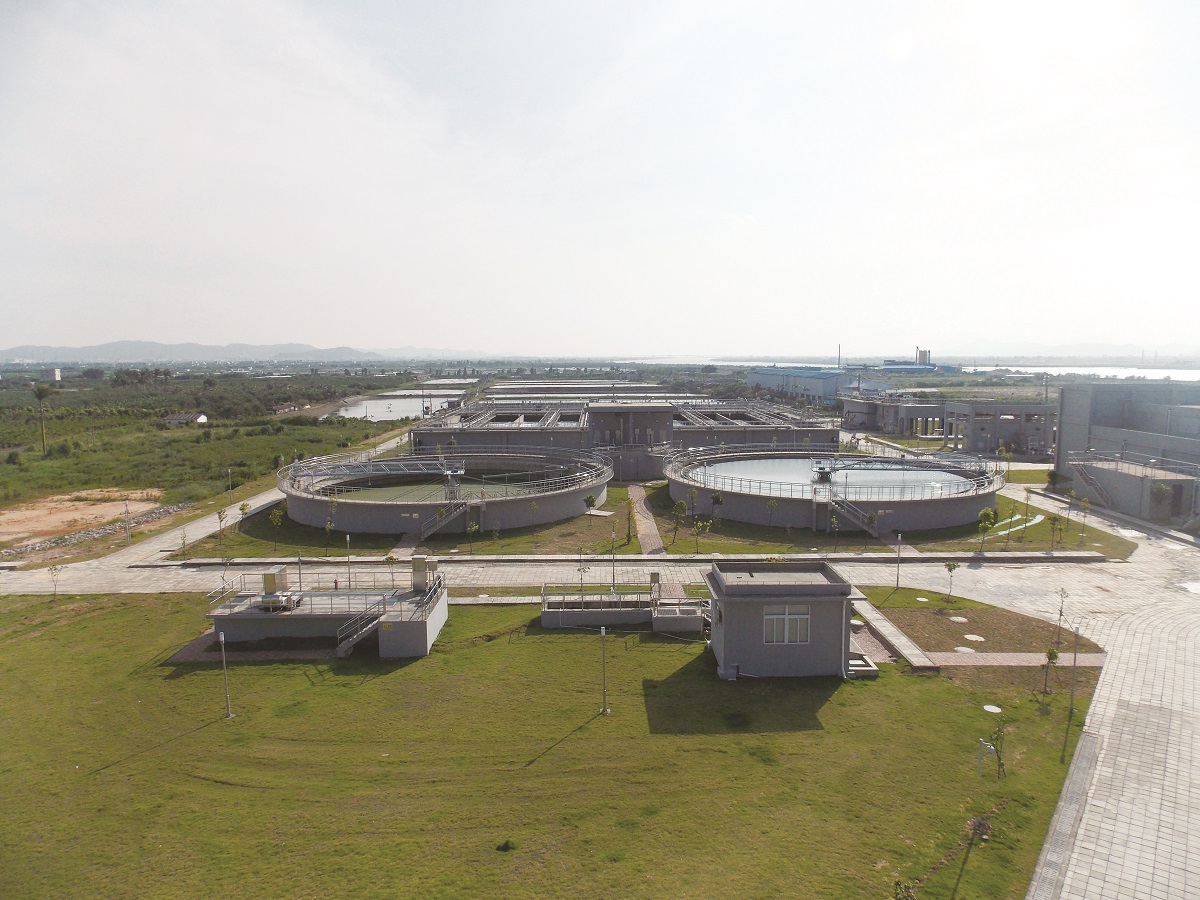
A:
{"points": [[538, 452]]}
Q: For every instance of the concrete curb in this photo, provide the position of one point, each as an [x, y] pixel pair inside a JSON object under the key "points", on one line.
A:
{"points": [[888, 559]]}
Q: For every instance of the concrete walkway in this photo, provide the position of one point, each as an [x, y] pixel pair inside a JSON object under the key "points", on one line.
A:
{"points": [[1065, 660], [892, 636], [643, 520]]}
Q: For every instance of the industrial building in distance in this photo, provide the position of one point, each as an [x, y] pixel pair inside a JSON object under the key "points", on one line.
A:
{"points": [[635, 425]]}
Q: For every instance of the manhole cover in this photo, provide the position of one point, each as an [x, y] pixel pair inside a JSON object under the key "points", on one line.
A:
{"points": [[992, 708]]}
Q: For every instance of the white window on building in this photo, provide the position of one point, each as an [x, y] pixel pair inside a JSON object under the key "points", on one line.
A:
{"points": [[786, 624]]}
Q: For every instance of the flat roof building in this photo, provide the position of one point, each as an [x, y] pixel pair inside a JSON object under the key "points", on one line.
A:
{"points": [[780, 619]]}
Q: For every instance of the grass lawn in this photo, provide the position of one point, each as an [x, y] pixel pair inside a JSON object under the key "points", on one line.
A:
{"points": [[1034, 538], [738, 537], [255, 536], [592, 534], [485, 769], [1036, 477]]}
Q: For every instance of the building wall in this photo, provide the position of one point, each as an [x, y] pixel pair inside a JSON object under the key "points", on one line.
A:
{"points": [[357, 517], [405, 639], [794, 512], [257, 628], [737, 638]]}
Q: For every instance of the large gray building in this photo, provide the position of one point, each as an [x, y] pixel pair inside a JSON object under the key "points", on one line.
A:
{"points": [[812, 384], [987, 426], [635, 432], [1134, 448]]}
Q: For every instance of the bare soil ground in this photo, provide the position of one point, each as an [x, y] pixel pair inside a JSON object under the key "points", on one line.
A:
{"points": [[66, 513]]}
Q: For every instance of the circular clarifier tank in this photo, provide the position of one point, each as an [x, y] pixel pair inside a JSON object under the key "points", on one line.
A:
{"points": [[805, 488], [448, 490]]}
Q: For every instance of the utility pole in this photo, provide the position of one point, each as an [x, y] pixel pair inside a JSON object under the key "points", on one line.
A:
{"points": [[225, 673], [603, 674], [899, 538]]}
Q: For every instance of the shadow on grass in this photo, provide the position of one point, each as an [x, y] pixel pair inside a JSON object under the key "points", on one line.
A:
{"points": [[578, 728], [692, 700], [151, 749]]}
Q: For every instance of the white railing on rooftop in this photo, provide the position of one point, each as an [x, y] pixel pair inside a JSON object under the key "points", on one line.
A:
{"points": [[979, 475]]}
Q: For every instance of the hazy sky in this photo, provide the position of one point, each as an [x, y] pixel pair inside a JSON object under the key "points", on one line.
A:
{"points": [[600, 178]]}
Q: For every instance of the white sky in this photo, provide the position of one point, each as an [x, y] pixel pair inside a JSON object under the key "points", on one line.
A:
{"points": [[600, 178]]}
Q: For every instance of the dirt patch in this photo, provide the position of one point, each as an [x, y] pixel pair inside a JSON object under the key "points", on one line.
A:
{"points": [[1003, 631], [65, 513]]}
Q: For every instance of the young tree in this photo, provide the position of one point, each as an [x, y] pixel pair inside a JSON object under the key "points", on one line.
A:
{"points": [[243, 509], [590, 501], [221, 514], [533, 508], [1070, 495], [717, 502], [471, 531], [55, 571], [42, 392], [1160, 494], [329, 520], [987, 518], [1051, 660], [835, 525], [276, 517], [872, 521], [1056, 526], [1005, 455], [678, 514], [1084, 505], [1025, 524], [950, 567], [771, 504], [1052, 478], [699, 527], [692, 495]]}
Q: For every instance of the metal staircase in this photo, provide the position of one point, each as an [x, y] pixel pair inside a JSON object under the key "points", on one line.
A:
{"points": [[359, 627], [443, 517], [1090, 480], [854, 514]]}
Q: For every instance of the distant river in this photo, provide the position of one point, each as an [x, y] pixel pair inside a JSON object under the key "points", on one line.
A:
{"points": [[1098, 371], [397, 405]]}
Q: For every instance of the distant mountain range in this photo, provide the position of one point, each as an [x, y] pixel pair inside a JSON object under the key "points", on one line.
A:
{"points": [[152, 351]]}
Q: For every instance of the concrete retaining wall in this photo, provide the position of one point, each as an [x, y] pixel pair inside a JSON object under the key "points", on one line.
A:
{"points": [[362, 517], [400, 639]]}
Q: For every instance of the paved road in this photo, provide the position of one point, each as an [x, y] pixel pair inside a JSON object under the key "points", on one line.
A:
{"points": [[1129, 824]]}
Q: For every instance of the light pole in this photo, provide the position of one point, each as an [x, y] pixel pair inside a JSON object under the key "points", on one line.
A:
{"points": [[899, 538], [347, 562], [225, 673], [1074, 671], [613, 552], [603, 674], [229, 472]]}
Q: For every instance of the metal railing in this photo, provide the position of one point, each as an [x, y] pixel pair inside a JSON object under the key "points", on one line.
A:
{"points": [[442, 517], [543, 470], [229, 588], [357, 623], [1134, 463], [978, 475]]}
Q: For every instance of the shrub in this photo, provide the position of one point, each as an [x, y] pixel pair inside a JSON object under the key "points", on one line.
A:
{"points": [[14, 458]]}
